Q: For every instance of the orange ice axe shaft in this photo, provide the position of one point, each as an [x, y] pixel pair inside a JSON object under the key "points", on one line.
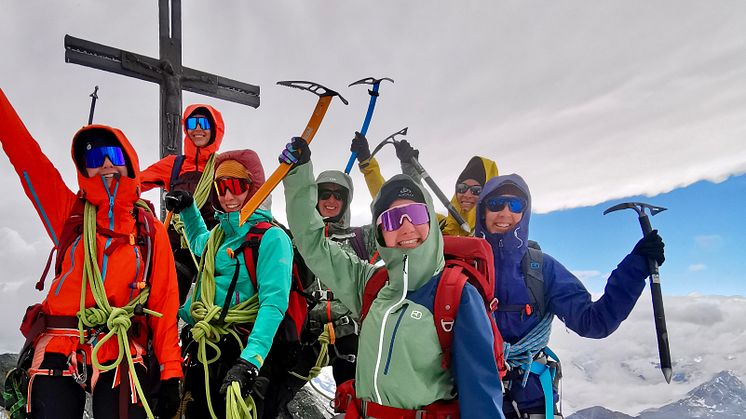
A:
{"points": [[325, 97]]}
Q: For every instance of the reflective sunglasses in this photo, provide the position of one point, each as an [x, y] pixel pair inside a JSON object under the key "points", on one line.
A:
{"points": [[392, 218], [193, 121], [94, 157], [514, 203], [462, 188], [326, 194], [236, 186]]}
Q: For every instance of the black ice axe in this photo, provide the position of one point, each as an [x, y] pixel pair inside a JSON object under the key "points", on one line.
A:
{"points": [[94, 97], [664, 351], [391, 139]]}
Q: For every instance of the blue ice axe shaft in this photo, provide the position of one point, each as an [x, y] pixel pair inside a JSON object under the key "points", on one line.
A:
{"points": [[369, 115]]}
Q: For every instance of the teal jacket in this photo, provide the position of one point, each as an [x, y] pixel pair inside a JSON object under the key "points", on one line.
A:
{"points": [[399, 355], [273, 271]]}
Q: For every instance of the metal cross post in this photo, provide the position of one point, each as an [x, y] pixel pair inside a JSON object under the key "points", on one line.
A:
{"points": [[167, 71]]}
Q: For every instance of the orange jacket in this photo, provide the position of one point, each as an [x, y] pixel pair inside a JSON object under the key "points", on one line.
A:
{"points": [[159, 173], [54, 201]]}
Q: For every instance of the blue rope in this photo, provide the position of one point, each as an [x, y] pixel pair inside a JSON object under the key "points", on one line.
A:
{"points": [[522, 353]]}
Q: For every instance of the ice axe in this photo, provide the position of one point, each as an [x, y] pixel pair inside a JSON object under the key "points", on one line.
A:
{"points": [[325, 97], [391, 139], [371, 106], [664, 351], [94, 97]]}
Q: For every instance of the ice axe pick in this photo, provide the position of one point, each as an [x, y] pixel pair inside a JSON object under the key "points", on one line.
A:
{"points": [[664, 351], [325, 97], [369, 114]]}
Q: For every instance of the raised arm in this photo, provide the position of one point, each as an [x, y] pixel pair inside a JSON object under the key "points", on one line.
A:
{"points": [[158, 174], [41, 181]]}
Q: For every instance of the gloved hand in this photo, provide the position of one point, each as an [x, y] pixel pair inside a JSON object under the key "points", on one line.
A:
{"points": [[651, 247], [176, 201], [169, 398], [360, 146], [244, 372], [296, 152], [405, 151]]}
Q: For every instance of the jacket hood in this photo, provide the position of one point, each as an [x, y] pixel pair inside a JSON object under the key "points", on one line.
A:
{"points": [[341, 222], [248, 159], [218, 130], [114, 204], [480, 169], [516, 238], [424, 261]]}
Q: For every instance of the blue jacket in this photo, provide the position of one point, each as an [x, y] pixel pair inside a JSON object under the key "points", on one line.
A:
{"points": [[564, 294]]}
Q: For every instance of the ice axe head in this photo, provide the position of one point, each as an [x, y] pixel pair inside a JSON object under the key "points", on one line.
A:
{"points": [[639, 208], [370, 80], [312, 87], [391, 139]]}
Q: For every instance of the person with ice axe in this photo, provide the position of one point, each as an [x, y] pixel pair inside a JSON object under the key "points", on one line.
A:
{"points": [[533, 288]]}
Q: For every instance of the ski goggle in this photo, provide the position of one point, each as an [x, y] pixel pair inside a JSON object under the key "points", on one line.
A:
{"points": [[514, 203], [326, 194], [392, 218], [193, 121], [236, 186], [94, 157], [475, 189]]}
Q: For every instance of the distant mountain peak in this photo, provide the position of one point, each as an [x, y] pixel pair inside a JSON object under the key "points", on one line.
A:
{"points": [[723, 397]]}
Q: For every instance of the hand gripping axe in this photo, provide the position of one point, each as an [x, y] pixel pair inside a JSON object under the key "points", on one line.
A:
{"points": [[664, 351], [371, 106], [391, 139], [325, 97]]}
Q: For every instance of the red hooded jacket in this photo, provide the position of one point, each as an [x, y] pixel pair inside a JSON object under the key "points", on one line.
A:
{"points": [[54, 201], [159, 173]]}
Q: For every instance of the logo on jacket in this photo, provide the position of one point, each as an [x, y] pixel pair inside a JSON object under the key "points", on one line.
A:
{"points": [[416, 314]]}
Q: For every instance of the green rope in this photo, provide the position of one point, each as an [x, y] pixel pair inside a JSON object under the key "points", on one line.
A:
{"points": [[207, 330], [323, 359], [200, 195], [235, 405], [116, 319]]}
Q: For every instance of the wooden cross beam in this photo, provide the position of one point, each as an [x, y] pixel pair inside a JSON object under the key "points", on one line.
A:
{"points": [[167, 71]]}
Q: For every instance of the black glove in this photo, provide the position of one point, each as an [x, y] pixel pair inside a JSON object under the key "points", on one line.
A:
{"points": [[296, 152], [244, 372], [405, 151], [360, 146], [651, 247], [176, 201], [169, 398]]}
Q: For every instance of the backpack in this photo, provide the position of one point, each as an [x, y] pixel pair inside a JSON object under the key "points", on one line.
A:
{"points": [[175, 170], [532, 266], [291, 327], [468, 259]]}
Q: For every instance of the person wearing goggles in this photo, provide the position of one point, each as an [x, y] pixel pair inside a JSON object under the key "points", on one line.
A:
{"points": [[86, 225], [399, 356], [238, 175], [503, 214], [191, 171]]}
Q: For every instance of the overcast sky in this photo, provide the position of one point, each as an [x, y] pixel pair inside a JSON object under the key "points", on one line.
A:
{"points": [[589, 101]]}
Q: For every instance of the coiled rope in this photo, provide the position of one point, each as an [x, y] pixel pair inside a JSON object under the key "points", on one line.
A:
{"points": [[522, 353]]}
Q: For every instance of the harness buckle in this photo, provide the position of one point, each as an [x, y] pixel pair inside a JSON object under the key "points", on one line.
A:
{"points": [[493, 305], [343, 321], [420, 414]]}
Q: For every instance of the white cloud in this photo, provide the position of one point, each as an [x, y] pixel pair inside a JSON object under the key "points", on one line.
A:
{"points": [[697, 267], [586, 275]]}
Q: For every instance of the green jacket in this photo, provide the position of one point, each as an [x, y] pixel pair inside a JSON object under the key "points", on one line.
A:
{"points": [[273, 272], [404, 372]]}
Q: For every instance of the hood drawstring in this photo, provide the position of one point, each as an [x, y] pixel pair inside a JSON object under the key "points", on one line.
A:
{"points": [[515, 233]]}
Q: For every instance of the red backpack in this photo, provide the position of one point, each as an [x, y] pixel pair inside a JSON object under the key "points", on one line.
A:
{"points": [[468, 259], [295, 317]]}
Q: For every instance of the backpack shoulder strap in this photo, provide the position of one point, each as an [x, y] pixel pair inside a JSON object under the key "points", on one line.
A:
{"points": [[253, 238], [446, 305], [370, 292], [532, 266], [175, 170], [358, 243]]}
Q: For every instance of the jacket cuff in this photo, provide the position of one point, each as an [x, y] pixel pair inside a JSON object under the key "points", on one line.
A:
{"points": [[171, 369]]}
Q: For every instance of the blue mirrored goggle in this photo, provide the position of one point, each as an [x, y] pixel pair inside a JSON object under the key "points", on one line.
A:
{"points": [[96, 156], [193, 121], [514, 203]]}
